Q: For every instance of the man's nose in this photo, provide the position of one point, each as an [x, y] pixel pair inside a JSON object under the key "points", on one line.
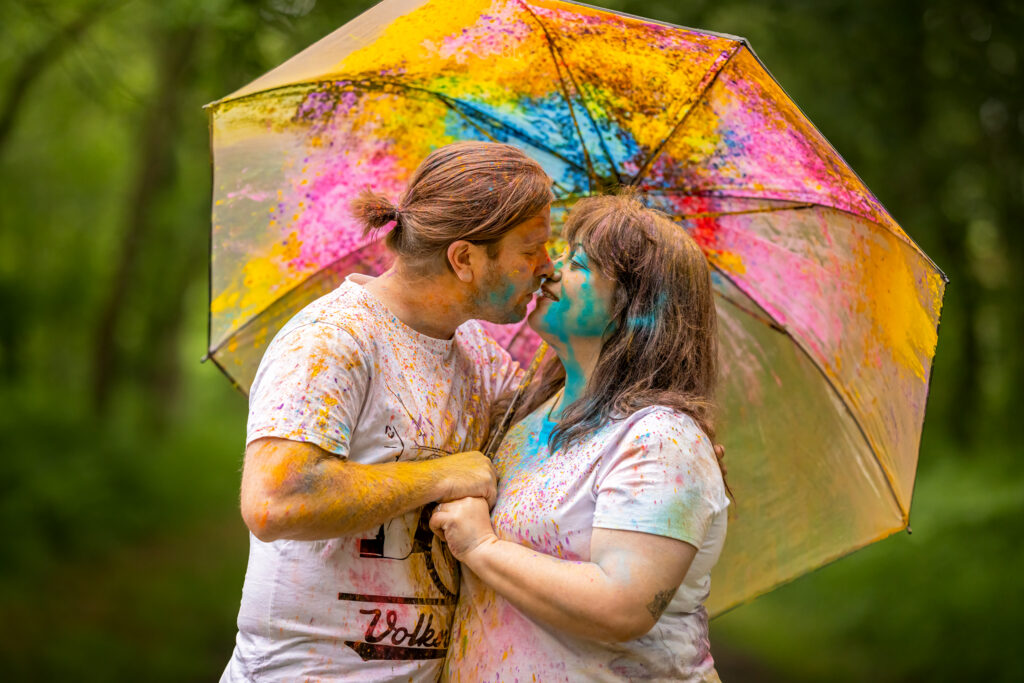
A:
{"points": [[547, 269]]}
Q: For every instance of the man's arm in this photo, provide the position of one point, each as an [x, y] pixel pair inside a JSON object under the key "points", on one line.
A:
{"points": [[295, 490]]}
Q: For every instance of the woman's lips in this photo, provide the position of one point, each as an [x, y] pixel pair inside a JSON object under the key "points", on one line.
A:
{"points": [[546, 294]]}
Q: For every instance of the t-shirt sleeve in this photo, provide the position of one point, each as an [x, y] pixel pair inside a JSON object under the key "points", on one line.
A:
{"points": [[661, 478], [310, 387]]}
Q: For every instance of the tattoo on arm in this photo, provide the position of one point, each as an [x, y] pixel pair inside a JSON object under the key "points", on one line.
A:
{"points": [[660, 602]]}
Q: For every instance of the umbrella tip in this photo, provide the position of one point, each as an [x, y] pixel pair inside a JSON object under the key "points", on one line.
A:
{"points": [[909, 530]]}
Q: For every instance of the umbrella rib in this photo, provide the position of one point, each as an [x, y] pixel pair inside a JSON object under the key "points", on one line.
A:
{"points": [[766, 319], [583, 103], [227, 374], [566, 192], [906, 238], [450, 102], [725, 193], [497, 123], [553, 48], [382, 84], [591, 174], [707, 81], [773, 209], [835, 388]]}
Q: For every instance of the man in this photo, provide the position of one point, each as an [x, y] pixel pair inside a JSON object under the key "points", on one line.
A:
{"points": [[371, 403]]}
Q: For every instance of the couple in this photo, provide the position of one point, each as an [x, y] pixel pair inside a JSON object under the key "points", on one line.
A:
{"points": [[609, 507]]}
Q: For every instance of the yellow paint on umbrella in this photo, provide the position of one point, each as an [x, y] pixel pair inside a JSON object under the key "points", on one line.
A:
{"points": [[902, 314], [261, 280]]}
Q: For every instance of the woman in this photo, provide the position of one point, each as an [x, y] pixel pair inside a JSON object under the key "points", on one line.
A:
{"points": [[611, 506]]}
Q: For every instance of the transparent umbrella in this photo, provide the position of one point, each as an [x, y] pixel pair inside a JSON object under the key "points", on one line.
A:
{"points": [[828, 310]]}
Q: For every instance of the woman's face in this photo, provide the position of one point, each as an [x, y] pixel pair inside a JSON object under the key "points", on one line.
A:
{"points": [[577, 306]]}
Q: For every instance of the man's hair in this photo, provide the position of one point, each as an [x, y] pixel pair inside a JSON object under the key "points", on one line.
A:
{"points": [[473, 191], [663, 347]]}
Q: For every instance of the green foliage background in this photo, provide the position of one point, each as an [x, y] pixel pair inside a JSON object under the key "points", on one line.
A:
{"points": [[123, 552]]}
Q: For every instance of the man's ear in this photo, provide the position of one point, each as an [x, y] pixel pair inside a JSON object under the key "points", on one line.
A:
{"points": [[462, 256]]}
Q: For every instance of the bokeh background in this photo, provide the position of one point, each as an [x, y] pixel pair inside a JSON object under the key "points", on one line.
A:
{"points": [[123, 553]]}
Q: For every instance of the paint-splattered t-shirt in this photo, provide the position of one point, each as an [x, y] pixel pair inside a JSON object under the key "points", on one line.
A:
{"points": [[348, 376], [654, 472]]}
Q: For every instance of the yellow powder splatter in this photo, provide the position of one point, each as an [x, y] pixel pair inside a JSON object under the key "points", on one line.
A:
{"points": [[260, 283], [728, 261], [903, 313]]}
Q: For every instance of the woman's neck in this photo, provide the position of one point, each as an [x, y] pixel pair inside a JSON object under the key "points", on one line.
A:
{"points": [[579, 358]]}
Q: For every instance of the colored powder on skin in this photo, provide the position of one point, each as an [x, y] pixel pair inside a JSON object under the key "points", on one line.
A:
{"points": [[502, 295], [581, 315]]}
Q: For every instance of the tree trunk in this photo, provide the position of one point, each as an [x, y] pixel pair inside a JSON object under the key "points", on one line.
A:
{"points": [[157, 140]]}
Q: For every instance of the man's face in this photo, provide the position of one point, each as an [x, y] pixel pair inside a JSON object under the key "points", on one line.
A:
{"points": [[515, 273]]}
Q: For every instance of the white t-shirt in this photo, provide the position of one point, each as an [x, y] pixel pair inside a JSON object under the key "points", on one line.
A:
{"points": [[348, 376], [653, 472]]}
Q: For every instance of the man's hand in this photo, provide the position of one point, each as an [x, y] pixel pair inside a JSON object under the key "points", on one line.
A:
{"points": [[467, 474], [463, 524], [720, 454]]}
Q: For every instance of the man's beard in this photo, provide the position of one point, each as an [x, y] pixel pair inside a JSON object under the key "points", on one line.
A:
{"points": [[493, 306]]}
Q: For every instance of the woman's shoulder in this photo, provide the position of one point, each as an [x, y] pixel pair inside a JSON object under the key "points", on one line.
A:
{"points": [[661, 422], [665, 445], [665, 430]]}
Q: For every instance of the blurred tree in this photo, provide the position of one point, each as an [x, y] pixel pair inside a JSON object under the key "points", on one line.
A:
{"points": [[36, 62], [157, 140]]}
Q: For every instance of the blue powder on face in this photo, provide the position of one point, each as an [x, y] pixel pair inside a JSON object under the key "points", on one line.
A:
{"points": [[583, 315]]}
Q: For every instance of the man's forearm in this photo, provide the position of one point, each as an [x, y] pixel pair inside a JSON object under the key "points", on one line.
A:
{"points": [[302, 493], [297, 491]]}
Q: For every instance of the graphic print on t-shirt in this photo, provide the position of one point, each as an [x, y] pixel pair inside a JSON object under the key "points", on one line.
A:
{"points": [[387, 636]]}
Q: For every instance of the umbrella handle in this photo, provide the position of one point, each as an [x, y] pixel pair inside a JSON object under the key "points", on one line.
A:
{"points": [[517, 400]]}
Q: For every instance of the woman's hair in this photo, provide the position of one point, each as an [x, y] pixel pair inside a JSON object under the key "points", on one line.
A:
{"points": [[473, 191], [663, 347]]}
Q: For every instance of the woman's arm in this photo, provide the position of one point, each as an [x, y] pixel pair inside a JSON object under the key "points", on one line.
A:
{"points": [[619, 595]]}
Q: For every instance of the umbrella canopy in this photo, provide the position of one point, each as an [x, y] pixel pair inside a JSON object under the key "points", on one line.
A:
{"points": [[828, 310]]}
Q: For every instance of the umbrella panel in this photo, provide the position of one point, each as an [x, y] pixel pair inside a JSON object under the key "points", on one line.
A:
{"points": [[854, 296], [808, 487]]}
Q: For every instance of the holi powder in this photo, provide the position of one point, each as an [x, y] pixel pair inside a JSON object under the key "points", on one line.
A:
{"points": [[580, 313]]}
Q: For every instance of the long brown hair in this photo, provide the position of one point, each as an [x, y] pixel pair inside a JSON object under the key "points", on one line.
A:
{"points": [[663, 349], [474, 191]]}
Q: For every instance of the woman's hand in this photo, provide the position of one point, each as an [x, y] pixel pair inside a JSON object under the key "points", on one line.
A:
{"points": [[463, 524]]}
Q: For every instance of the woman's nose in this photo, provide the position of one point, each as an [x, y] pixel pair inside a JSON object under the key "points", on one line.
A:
{"points": [[556, 269]]}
